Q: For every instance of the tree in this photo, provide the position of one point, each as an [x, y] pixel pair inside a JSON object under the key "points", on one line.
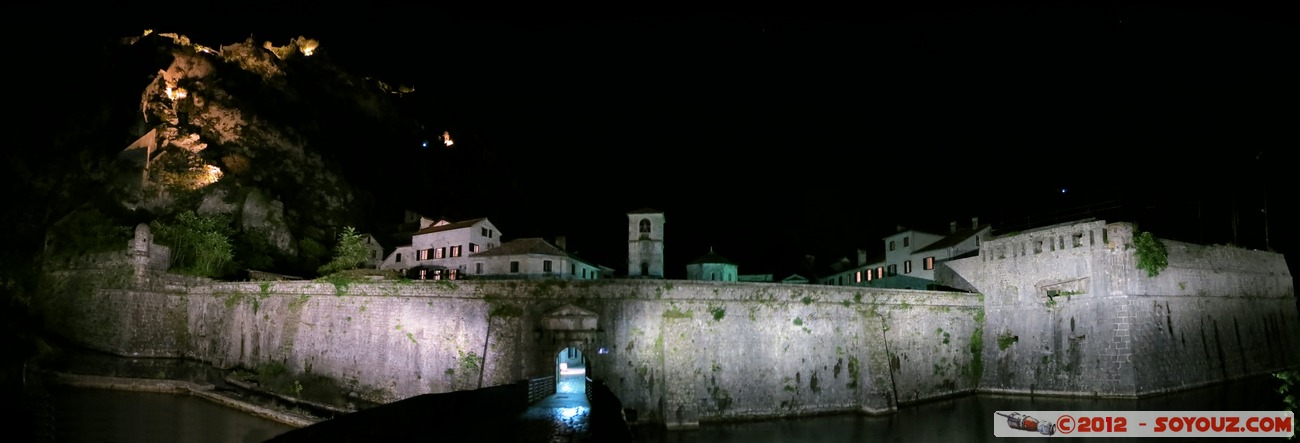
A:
{"points": [[200, 243], [349, 253]]}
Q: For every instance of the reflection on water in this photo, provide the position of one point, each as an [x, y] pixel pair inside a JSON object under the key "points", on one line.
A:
{"points": [[99, 415], [966, 419], [91, 415]]}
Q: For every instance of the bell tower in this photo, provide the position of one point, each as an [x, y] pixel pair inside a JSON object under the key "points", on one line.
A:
{"points": [[645, 243]]}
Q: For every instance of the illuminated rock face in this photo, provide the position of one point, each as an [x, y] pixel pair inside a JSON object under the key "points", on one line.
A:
{"points": [[645, 243]]}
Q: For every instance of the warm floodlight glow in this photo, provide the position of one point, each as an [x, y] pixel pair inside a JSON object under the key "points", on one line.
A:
{"points": [[213, 174], [446, 138], [307, 46]]}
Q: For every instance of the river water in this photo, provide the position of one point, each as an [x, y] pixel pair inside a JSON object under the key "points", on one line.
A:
{"points": [[95, 415]]}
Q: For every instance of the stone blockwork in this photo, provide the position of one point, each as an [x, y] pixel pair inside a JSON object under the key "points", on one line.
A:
{"points": [[1064, 311], [1068, 312], [678, 352]]}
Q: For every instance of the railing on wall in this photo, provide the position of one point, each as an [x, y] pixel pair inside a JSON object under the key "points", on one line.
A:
{"points": [[540, 387], [1084, 235]]}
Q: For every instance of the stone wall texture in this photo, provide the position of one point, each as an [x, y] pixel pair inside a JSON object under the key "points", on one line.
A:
{"points": [[1062, 310]]}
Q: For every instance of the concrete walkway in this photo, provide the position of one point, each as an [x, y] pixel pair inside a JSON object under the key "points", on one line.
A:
{"points": [[561, 417]]}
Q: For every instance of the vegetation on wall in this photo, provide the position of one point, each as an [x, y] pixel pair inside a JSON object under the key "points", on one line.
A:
{"points": [[349, 253], [200, 244], [1151, 254]]}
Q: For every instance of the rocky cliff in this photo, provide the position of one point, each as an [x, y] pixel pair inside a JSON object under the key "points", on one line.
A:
{"points": [[147, 126]]}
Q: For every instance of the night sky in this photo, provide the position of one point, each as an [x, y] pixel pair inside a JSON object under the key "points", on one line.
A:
{"points": [[769, 137]]}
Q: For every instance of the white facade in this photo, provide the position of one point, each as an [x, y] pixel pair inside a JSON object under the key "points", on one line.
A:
{"points": [[529, 258], [374, 251], [444, 246], [645, 243], [911, 256]]}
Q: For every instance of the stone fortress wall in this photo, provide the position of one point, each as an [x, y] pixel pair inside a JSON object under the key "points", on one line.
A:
{"points": [[682, 352]]}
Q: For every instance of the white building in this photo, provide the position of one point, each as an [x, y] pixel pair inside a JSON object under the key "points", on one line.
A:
{"points": [[645, 243], [910, 257], [442, 249], [530, 258], [374, 251], [712, 266]]}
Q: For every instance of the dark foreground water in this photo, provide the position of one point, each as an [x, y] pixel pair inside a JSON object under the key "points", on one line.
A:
{"points": [[92, 415]]}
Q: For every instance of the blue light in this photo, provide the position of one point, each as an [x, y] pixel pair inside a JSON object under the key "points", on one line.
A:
{"points": [[1062, 190], [424, 144]]}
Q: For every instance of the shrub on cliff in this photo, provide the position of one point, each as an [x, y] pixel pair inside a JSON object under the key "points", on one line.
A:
{"points": [[1151, 254], [200, 244]]}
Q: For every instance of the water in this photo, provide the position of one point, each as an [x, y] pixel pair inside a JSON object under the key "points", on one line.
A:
{"points": [[91, 415], [102, 416], [969, 418]]}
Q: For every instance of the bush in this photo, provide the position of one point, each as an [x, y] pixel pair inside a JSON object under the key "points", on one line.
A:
{"points": [[349, 253], [1151, 254], [200, 244]]}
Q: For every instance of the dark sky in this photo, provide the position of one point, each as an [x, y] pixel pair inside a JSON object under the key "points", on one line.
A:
{"points": [[774, 136]]}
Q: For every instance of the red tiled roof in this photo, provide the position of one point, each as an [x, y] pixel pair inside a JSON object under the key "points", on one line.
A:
{"points": [[449, 226], [532, 245]]}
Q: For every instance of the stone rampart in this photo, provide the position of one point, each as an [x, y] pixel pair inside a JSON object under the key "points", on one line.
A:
{"points": [[678, 352], [1068, 312]]}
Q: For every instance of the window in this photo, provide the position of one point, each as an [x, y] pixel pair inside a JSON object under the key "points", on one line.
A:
{"points": [[451, 274], [455, 251], [374, 254], [584, 272], [423, 273], [490, 233], [440, 253], [891, 245], [713, 276], [880, 272], [870, 274], [840, 281], [645, 225], [857, 277], [893, 270], [514, 267], [546, 266], [423, 254], [645, 268], [907, 267], [573, 269], [399, 257], [929, 263], [905, 241], [478, 268], [473, 248], [483, 232]]}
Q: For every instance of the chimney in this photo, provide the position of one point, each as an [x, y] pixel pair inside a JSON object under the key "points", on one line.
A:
{"points": [[974, 222], [862, 257], [560, 242], [901, 228], [952, 227]]}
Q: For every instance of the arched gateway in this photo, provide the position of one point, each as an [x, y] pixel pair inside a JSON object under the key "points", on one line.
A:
{"points": [[568, 336]]}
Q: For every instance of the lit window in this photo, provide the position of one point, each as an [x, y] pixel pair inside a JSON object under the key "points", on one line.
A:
{"points": [[478, 268], [451, 274], [880, 272], [870, 274], [546, 266], [423, 254], [473, 248], [514, 267], [857, 277], [455, 251], [441, 253], [907, 267], [929, 263], [423, 273]]}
